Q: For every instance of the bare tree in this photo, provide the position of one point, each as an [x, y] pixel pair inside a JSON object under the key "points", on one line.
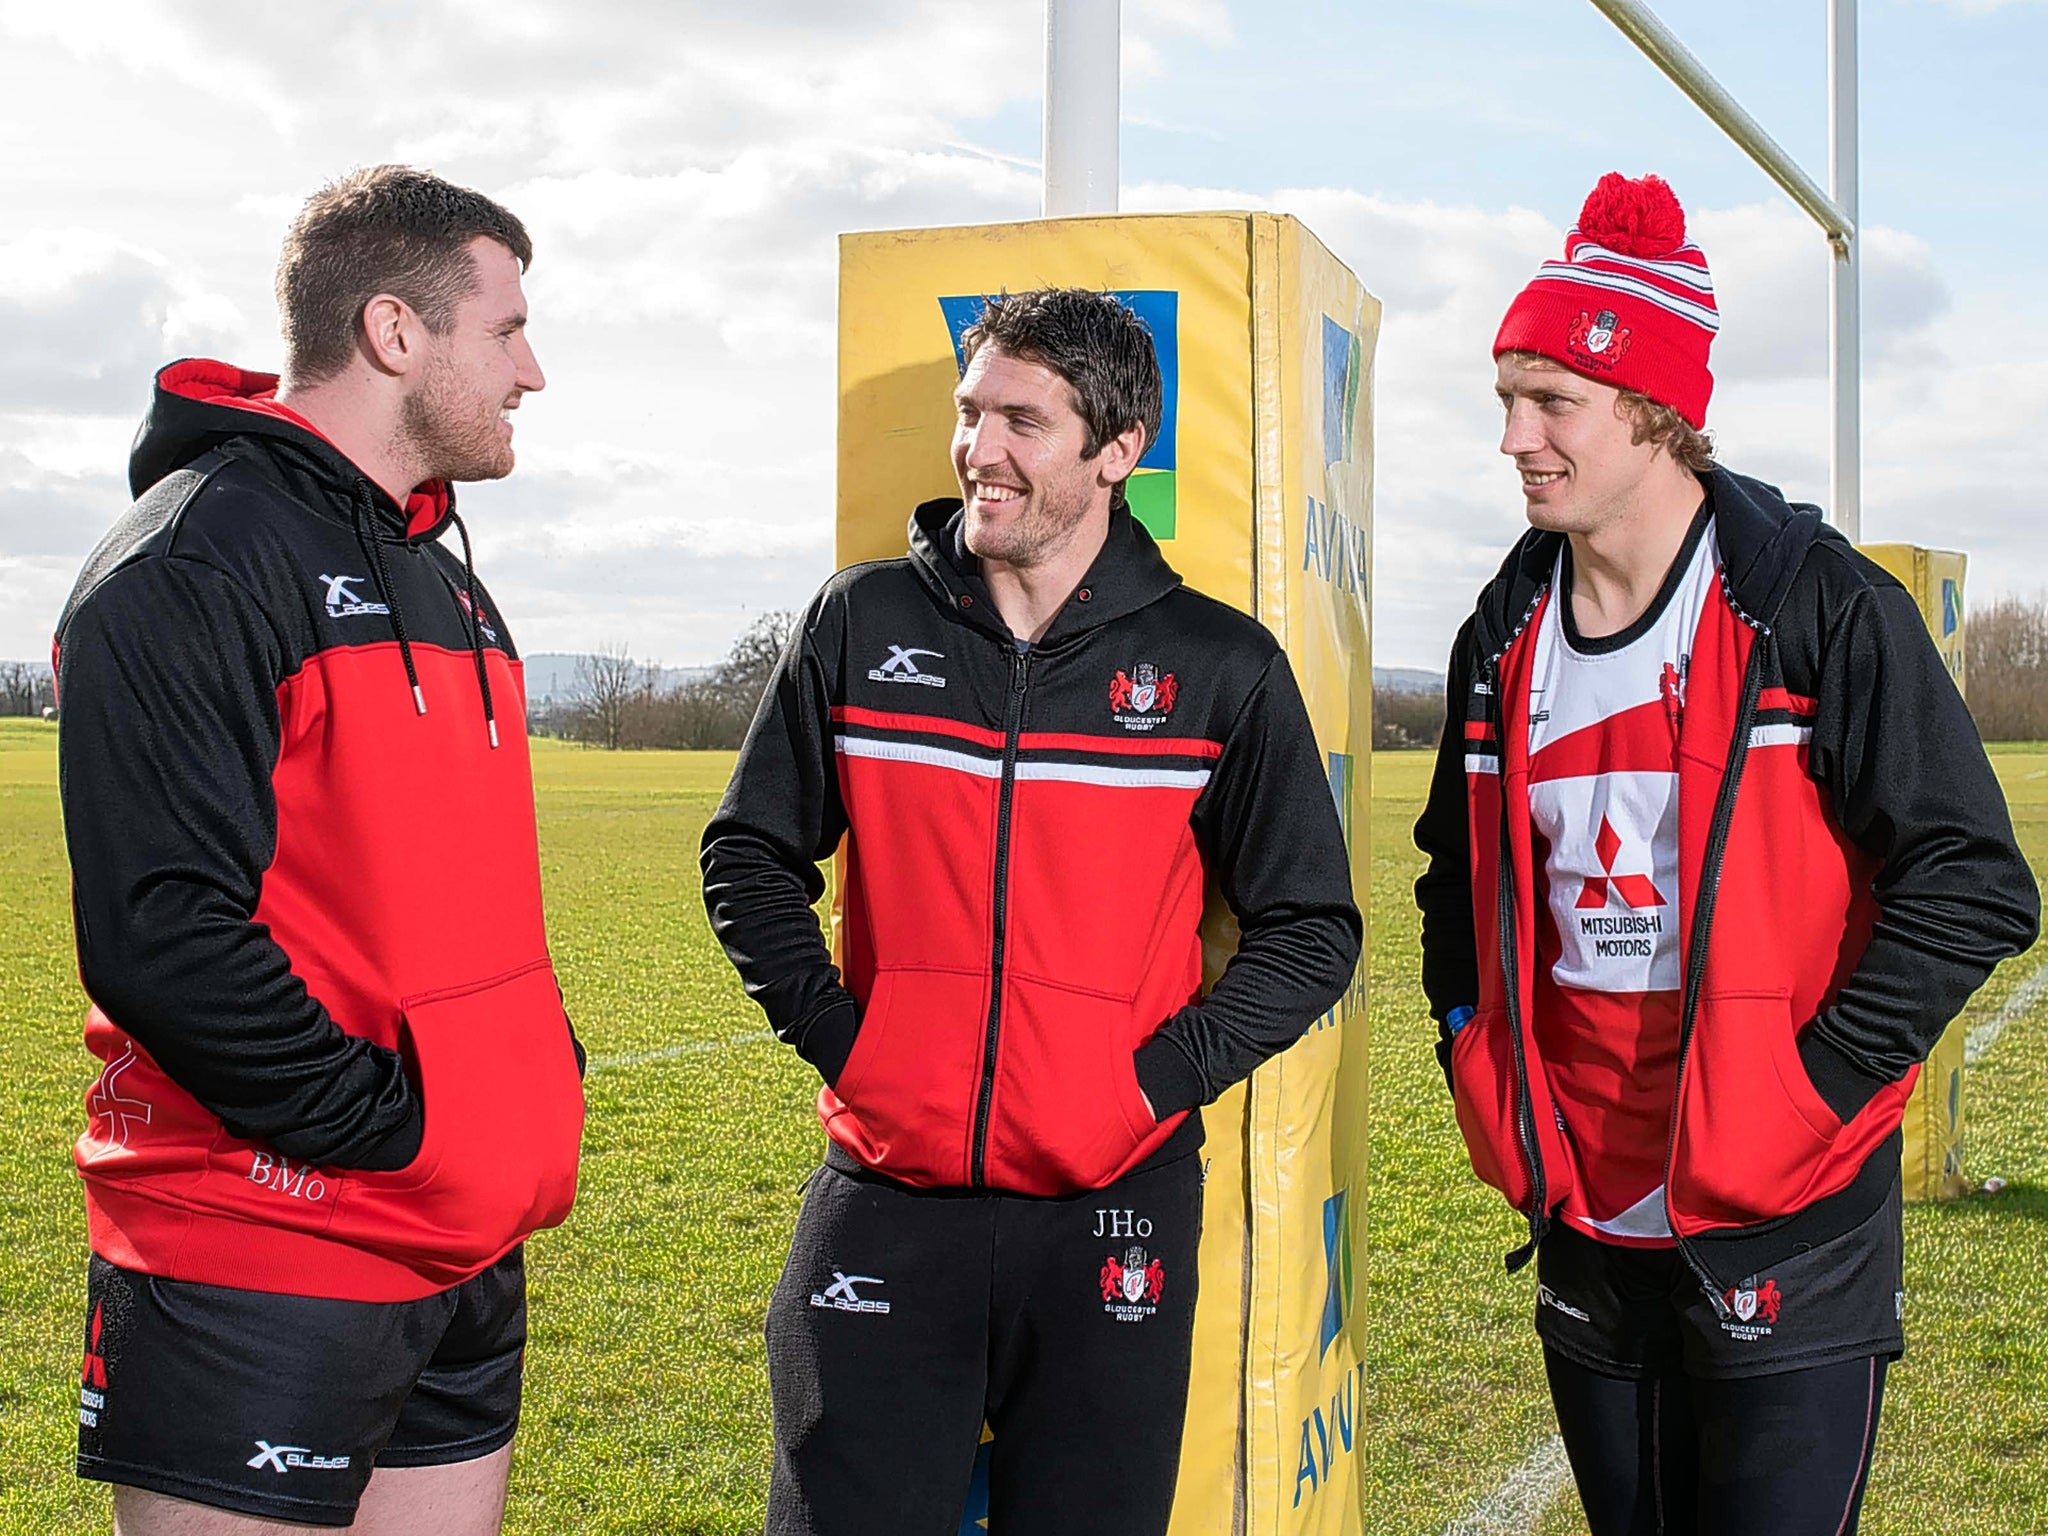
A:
{"points": [[618, 702], [606, 683], [750, 664], [1402, 720], [25, 689], [2007, 669]]}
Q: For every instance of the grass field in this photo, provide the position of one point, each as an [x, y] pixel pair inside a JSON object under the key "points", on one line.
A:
{"points": [[646, 1406]]}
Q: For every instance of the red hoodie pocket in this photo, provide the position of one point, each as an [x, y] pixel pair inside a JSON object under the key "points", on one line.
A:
{"points": [[504, 1123], [1755, 1133], [1488, 1104], [904, 1100], [1067, 1112]]}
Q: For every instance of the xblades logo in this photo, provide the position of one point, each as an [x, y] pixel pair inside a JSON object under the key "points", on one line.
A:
{"points": [[293, 1458], [840, 1295], [901, 667], [344, 603]]}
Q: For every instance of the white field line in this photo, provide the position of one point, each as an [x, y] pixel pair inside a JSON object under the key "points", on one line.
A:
{"points": [[625, 1059], [2022, 998], [1517, 1504]]}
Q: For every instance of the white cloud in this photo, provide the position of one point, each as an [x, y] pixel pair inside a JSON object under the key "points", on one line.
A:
{"points": [[685, 168], [87, 317]]}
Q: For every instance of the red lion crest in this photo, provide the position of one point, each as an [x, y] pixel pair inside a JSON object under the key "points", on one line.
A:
{"points": [[1165, 691], [1113, 1279], [1581, 335]]}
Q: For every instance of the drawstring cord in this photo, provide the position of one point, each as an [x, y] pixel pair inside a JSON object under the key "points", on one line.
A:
{"points": [[363, 510], [476, 627], [360, 508]]}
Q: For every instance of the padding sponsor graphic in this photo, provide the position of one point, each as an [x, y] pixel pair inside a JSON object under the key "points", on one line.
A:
{"points": [[1337, 1259]]}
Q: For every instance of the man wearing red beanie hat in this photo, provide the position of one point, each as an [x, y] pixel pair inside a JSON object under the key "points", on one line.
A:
{"points": [[1714, 855]]}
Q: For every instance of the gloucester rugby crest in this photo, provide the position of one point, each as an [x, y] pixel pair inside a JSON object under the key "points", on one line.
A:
{"points": [[1599, 339], [1140, 699], [1131, 1286]]}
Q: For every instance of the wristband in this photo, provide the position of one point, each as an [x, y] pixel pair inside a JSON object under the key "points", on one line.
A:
{"points": [[1458, 1018]]}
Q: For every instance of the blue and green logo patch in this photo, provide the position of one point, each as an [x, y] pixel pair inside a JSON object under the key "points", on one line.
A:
{"points": [[1337, 1255], [1951, 607], [1342, 356], [1150, 489]]}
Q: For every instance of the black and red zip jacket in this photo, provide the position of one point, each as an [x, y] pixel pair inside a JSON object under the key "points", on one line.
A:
{"points": [[1029, 836], [305, 880], [1848, 876]]}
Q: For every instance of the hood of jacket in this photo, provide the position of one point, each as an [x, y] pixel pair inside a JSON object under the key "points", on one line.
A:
{"points": [[1764, 540], [198, 405], [1127, 574]]}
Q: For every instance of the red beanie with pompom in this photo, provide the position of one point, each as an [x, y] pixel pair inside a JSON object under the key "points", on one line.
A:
{"points": [[1631, 304]]}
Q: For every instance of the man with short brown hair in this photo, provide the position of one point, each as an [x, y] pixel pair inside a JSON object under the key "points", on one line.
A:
{"points": [[339, 1089]]}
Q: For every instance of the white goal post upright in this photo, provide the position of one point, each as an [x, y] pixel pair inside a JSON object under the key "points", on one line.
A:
{"points": [[1083, 52], [1833, 210]]}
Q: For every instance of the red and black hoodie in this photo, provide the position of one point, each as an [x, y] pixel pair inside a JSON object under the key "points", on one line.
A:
{"points": [[1848, 876], [1029, 835], [305, 880]]}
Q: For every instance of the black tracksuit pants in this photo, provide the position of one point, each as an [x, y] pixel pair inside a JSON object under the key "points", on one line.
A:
{"points": [[905, 1319]]}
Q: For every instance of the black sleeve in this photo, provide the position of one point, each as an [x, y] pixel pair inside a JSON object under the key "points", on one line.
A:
{"points": [[168, 677], [782, 814], [1895, 745], [1450, 956], [1269, 833]]}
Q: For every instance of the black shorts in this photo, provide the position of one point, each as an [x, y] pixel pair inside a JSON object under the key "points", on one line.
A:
{"points": [[1638, 1312], [281, 1406]]}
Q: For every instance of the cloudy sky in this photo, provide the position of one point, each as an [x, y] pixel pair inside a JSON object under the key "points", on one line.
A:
{"points": [[684, 167]]}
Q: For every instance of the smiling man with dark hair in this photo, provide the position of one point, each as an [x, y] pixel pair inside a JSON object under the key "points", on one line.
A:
{"points": [[1036, 751]]}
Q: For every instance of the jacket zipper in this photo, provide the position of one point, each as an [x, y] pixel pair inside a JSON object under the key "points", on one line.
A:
{"points": [[1525, 1108], [1702, 923], [1013, 725]]}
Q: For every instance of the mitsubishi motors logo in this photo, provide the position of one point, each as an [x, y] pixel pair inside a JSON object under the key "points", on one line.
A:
{"points": [[1637, 892]]}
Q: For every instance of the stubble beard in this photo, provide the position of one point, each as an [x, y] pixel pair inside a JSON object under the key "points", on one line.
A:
{"points": [[1039, 532], [450, 434]]}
